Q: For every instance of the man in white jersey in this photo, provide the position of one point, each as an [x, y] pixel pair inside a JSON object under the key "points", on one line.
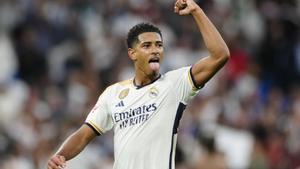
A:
{"points": [[144, 112]]}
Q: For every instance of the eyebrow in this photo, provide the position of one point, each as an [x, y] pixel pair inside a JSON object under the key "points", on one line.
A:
{"points": [[151, 42]]}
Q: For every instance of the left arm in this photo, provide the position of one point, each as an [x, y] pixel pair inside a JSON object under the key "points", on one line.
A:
{"points": [[207, 67]]}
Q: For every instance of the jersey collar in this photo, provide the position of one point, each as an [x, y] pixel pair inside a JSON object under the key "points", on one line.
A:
{"points": [[141, 86]]}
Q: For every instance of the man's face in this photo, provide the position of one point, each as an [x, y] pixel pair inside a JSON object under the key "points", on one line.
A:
{"points": [[147, 53]]}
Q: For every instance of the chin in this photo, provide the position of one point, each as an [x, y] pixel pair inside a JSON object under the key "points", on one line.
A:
{"points": [[155, 73]]}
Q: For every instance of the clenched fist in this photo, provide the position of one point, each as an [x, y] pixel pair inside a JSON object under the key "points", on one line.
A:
{"points": [[185, 7], [56, 162]]}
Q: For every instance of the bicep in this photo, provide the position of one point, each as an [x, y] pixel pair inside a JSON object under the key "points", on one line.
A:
{"points": [[206, 68], [86, 133]]}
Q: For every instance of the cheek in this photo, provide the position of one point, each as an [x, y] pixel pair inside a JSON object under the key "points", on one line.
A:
{"points": [[161, 51], [143, 61], [162, 55]]}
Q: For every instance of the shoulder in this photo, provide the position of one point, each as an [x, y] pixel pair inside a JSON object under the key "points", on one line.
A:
{"points": [[182, 75], [178, 71], [115, 88], [121, 84], [125, 83]]}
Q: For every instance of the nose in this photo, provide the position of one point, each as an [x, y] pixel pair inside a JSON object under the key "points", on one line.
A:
{"points": [[155, 50]]}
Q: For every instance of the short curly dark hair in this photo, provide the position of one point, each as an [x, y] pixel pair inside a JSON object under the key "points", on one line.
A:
{"points": [[138, 29]]}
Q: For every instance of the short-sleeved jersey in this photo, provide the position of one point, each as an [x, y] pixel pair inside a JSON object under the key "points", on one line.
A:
{"points": [[144, 119]]}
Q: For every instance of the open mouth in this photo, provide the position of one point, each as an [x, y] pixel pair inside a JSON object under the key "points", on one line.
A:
{"points": [[154, 64], [154, 60]]}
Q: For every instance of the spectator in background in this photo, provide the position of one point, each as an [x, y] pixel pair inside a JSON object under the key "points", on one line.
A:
{"points": [[36, 111], [145, 111], [211, 158]]}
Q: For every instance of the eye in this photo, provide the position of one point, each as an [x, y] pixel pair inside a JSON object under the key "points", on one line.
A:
{"points": [[159, 44], [146, 45]]}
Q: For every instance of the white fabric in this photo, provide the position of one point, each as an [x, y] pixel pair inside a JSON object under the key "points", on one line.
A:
{"points": [[143, 119]]}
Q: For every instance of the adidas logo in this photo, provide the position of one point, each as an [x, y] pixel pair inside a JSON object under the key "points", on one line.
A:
{"points": [[120, 104]]}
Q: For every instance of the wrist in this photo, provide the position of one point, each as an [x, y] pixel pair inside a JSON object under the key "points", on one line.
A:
{"points": [[196, 10]]}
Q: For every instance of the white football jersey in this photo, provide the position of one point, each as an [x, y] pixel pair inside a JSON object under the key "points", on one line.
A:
{"points": [[145, 119]]}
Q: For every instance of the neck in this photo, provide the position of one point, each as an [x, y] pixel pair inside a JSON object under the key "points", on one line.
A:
{"points": [[141, 79]]}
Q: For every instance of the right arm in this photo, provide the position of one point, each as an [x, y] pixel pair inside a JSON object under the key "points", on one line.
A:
{"points": [[71, 147], [205, 68], [97, 122]]}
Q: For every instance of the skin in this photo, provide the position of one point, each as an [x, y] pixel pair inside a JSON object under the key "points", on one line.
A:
{"points": [[149, 45], [72, 146], [207, 67]]}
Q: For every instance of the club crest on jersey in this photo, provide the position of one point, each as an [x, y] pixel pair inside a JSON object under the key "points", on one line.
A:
{"points": [[123, 93], [153, 92]]}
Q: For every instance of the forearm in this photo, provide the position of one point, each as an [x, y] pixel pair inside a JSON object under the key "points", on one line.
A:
{"points": [[212, 38], [71, 147], [206, 67], [75, 143]]}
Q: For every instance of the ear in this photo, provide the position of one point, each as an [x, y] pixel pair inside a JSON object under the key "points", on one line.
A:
{"points": [[131, 54]]}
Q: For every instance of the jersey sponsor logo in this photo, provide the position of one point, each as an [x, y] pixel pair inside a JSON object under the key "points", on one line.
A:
{"points": [[153, 92], [123, 93], [134, 116]]}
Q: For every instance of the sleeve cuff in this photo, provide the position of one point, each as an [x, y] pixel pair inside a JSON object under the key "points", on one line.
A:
{"points": [[192, 80], [94, 128]]}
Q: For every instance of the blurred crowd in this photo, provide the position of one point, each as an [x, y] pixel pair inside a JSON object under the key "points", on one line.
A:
{"points": [[57, 56]]}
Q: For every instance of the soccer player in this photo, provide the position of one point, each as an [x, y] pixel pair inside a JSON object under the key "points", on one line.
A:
{"points": [[145, 111]]}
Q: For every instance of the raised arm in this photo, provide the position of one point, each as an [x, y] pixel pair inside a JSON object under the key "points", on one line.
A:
{"points": [[207, 67], [71, 147]]}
